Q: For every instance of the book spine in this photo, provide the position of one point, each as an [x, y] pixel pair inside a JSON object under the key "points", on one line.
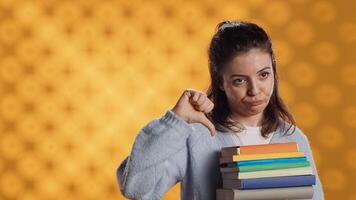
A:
{"points": [[276, 173], [269, 148], [303, 192], [272, 166], [266, 156], [230, 151], [276, 182], [268, 161]]}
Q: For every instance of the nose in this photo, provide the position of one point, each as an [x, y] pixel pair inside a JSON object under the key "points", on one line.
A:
{"points": [[253, 89]]}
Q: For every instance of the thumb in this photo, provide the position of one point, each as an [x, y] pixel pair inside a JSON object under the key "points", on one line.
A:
{"points": [[206, 122]]}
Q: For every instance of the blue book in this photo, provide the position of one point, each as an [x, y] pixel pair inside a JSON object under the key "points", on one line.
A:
{"points": [[266, 161], [272, 182]]}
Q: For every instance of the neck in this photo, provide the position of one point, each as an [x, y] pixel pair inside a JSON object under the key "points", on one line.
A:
{"points": [[253, 120]]}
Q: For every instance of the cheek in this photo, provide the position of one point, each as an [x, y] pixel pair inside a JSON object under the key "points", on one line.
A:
{"points": [[235, 94], [266, 90], [269, 89]]}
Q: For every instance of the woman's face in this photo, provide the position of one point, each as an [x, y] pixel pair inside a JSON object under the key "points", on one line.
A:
{"points": [[248, 82]]}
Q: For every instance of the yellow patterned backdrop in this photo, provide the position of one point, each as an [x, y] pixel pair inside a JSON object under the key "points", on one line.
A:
{"points": [[78, 79]]}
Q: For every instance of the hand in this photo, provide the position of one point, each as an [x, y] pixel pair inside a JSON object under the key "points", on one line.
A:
{"points": [[192, 106]]}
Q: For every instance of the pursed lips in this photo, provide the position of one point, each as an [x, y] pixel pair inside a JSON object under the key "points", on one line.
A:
{"points": [[254, 103]]}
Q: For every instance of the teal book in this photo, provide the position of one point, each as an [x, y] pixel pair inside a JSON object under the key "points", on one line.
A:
{"points": [[266, 161], [268, 166]]}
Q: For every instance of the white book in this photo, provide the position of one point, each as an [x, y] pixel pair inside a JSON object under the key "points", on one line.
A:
{"points": [[269, 173]]}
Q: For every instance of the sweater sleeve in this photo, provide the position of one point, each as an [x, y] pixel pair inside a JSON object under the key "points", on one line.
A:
{"points": [[305, 147], [157, 160]]}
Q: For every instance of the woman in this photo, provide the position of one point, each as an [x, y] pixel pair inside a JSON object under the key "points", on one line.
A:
{"points": [[241, 107]]}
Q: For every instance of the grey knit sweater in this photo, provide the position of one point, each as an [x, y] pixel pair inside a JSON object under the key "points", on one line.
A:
{"points": [[169, 150]]}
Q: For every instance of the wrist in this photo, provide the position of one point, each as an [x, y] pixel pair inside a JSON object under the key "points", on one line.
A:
{"points": [[179, 114]]}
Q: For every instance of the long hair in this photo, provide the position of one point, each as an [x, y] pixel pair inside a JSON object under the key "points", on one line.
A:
{"points": [[231, 39]]}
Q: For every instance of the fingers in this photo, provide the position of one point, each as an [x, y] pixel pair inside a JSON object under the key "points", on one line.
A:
{"points": [[206, 106], [209, 108], [206, 122], [199, 100], [188, 93], [203, 104], [196, 96], [202, 98]]}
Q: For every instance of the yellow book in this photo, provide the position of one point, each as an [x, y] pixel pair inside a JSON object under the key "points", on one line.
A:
{"points": [[237, 158]]}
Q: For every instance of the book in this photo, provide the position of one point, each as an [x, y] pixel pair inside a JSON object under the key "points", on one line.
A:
{"points": [[236, 158], [268, 166], [304, 192], [269, 173], [260, 149], [271, 182], [266, 161]]}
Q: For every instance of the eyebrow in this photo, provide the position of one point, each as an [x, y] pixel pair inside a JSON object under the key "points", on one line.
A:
{"points": [[233, 75]]}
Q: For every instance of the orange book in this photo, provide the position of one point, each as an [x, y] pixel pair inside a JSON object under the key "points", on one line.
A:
{"points": [[260, 149], [237, 158]]}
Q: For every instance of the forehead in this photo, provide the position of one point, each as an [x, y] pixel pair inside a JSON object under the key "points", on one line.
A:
{"points": [[249, 62]]}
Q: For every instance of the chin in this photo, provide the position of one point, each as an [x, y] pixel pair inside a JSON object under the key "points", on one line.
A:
{"points": [[256, 110]]}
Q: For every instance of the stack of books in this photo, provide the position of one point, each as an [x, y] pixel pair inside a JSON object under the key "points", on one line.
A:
{"points": [[267, 171]]}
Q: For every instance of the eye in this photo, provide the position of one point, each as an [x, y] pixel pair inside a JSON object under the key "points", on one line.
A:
{"points": [[265, 75], [238, 81]]}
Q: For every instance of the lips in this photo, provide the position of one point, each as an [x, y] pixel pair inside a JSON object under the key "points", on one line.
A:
{"points": [[254, 103]]}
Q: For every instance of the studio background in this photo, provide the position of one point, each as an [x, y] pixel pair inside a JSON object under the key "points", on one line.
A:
{"points": [[79, 79]]}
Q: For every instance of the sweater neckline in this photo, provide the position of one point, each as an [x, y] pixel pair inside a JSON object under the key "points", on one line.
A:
{"points": [[253, 127], [273, 138]]}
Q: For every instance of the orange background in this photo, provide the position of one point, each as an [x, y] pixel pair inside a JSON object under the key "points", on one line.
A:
{"points": [[78, 79]]}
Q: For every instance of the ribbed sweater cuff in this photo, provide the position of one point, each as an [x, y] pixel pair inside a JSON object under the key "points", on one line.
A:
{"points": [[176, 122]]}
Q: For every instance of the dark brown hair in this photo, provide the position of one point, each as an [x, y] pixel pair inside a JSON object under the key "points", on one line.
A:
{"points": [[231, 39]]}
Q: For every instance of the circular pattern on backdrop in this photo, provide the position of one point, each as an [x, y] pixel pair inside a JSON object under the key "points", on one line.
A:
{"points": [[277, 12], [287, 92], [10, 69], [300, 32], [306, 114], [336, 177], [302, 74], [323, 11], [349, 117], [325, 53], [283, 52], [350, 158], [348, 74], [11, 185], [347, 32], [327, 95], [330, 137]]}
